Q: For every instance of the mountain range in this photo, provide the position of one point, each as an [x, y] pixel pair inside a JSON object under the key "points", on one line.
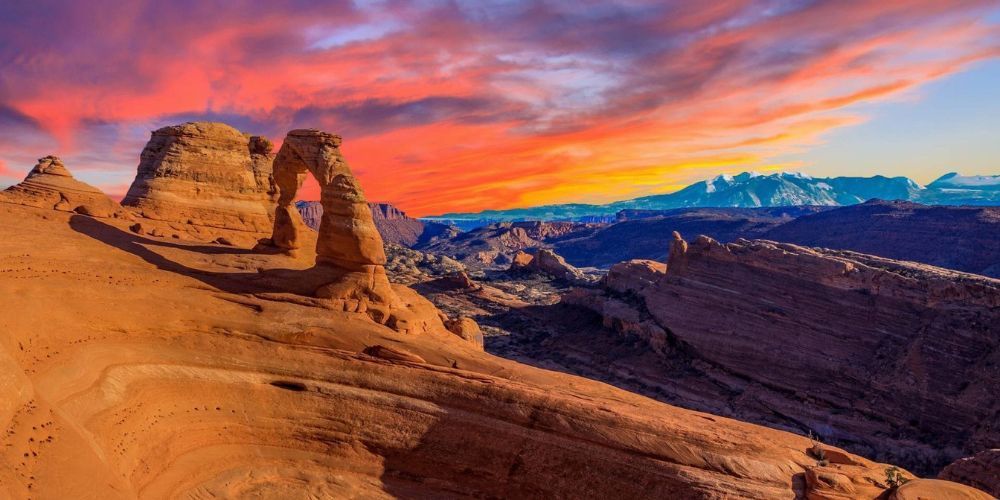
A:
{"points": [[752, 190]]}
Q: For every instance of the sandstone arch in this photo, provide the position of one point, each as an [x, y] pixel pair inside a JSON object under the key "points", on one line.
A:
{"points": [[348, 240]]}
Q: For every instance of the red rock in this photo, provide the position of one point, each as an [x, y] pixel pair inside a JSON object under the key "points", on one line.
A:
{"points": [[981, 471], [205, 174], [862, 342]]}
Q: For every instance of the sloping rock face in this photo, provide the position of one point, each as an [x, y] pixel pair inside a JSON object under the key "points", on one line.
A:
{"points": [[50, 185], [212, 379], [981, 471], [893, 359], [393, 224], [205, 174], [961, 238]]}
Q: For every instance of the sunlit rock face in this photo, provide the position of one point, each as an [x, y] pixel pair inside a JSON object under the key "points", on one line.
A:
{"points": [[205, 174]]}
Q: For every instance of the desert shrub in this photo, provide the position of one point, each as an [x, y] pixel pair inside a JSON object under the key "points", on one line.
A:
{"points": [[894, 478]]}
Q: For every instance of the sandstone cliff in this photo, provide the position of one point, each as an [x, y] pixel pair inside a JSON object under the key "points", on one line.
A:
{"points": [[892, 359], [205, 174]]}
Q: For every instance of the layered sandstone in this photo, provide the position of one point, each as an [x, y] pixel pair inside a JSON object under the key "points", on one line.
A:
{"points": [[205, 174], [893, 359], [214, 375], [50, 185]]}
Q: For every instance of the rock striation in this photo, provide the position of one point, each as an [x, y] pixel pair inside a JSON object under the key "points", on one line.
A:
{"points": [[205, 174], [888, 358], [50, 185], [981, 471]]}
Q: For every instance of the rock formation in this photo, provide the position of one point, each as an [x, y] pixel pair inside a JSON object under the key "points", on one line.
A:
{"points": [[548, 262], [205, 174], [981, 471], [50, 185], [349, 248], [208, 378], [892, 359]]}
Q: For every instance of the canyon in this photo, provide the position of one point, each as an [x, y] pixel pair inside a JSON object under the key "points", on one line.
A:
{"points": [[200, 340]]}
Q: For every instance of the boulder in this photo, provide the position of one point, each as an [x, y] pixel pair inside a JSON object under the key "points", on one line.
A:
{"points": [[50, 185], [205, 174], [466, 328]]}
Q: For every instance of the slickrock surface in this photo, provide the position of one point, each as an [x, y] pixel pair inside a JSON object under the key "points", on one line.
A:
{"points": [[891, 359], [961, 238], [198, 370], [50, 185], [205, 174], [981, 470]]}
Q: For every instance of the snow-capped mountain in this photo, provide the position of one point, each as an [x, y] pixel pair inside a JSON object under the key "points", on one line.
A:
{"points": [[752, 189], [955, 189]]}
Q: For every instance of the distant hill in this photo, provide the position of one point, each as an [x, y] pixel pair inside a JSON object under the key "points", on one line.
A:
{"points": [[961, 238], [752, 190], [645, 234]]}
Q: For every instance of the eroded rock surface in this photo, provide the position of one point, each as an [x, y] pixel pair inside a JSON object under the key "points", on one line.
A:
{"points": [[205, 174], [50, 185], [891, 359]]}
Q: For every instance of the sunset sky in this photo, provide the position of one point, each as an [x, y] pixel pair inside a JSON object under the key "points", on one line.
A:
{"points": [[465, 105]]}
